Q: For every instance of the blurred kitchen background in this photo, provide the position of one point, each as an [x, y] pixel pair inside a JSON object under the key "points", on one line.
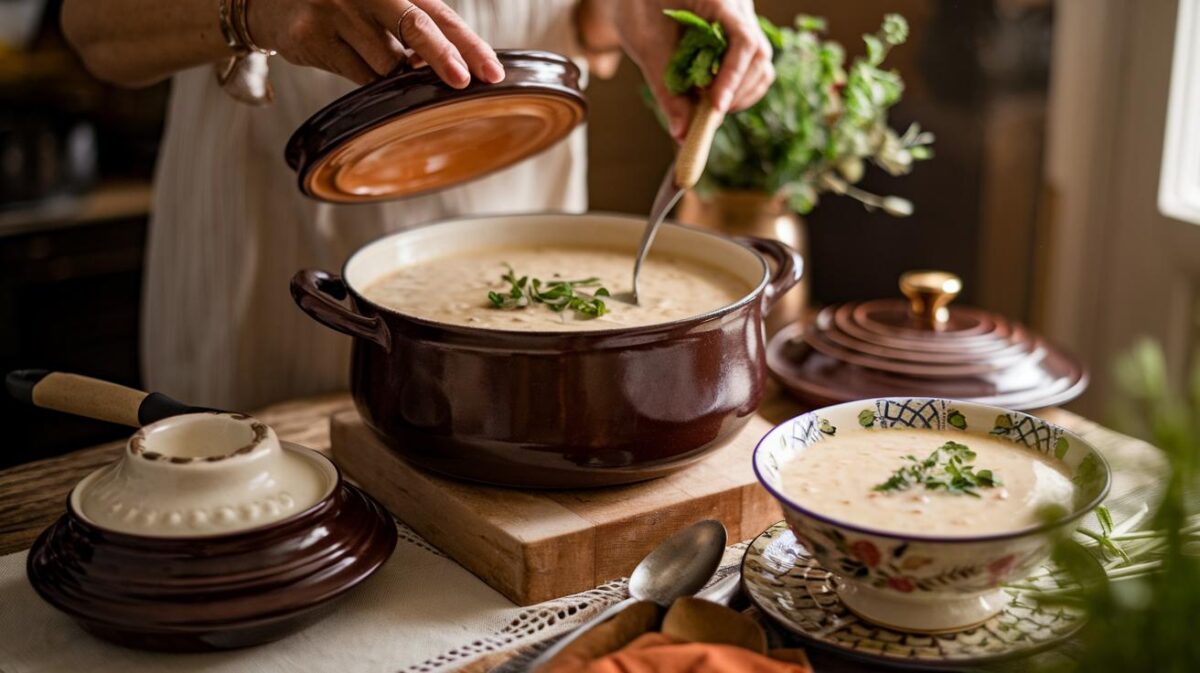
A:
{"points": [[1044, 194]]}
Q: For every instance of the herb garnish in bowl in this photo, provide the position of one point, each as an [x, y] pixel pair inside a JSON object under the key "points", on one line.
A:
{"points": [[556, 295], [946, 469]]}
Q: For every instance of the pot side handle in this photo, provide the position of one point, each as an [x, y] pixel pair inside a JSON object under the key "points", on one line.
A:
{"points": [[789, 267], [322, 295]]}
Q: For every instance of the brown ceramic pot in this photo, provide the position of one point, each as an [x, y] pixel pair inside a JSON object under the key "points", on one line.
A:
{"points": [[553, 409], [216, 592]]}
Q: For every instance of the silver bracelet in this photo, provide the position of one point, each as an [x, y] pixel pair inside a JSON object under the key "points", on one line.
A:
{"points": [[242, 26], [228, 32]]}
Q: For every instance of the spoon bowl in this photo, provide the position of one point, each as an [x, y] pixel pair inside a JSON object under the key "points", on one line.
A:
{"points": [[679, 566]]}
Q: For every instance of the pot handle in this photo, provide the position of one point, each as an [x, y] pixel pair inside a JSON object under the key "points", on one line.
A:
{"points": [[92, 398], [321, 295], [789, 267]]}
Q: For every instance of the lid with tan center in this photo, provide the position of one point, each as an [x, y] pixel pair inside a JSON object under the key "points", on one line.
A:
{"points": [[921, 346], [410, 133]]}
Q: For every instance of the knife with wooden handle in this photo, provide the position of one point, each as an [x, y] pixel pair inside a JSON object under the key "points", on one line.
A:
{"points": [[93, 398]]}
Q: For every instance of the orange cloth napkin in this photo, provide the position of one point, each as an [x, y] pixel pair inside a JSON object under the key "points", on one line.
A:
{"points": [[658, 653]]}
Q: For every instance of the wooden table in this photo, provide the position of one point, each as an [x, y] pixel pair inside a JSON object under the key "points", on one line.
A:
{"points": [[33, 495]]}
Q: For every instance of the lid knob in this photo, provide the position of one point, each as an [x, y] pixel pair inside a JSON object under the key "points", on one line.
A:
{"points": [[929, 293]]}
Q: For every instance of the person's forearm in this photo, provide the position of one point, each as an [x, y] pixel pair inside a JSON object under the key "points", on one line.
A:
{"points": [[140, 42]]}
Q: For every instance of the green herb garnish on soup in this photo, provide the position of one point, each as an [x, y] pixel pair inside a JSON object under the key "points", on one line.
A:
{"points": [[556, 295], [947, 469]]}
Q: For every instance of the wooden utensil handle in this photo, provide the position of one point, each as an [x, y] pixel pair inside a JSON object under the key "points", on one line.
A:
{"points": [[693, 154], [93, 398]]}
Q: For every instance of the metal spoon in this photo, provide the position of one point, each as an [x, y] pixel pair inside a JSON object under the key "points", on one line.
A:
{"points": [[683, 174], [679, 566]]}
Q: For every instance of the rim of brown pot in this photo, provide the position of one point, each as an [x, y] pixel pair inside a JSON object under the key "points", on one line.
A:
{"points": [[558, 337]]}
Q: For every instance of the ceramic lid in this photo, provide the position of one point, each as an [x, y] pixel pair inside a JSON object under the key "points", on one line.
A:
{"points": [[203, 474], [921, 345], [410, 133]]}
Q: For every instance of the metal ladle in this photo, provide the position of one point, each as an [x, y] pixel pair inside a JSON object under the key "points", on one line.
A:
{"points": [[683, 174], [679, 566]]}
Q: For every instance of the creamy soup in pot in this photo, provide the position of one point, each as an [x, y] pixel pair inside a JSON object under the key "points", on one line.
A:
{"points": [[455, 289], [846, 477]]}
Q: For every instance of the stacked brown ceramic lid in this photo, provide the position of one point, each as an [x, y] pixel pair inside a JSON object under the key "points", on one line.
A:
{"points": [[922, 346]]}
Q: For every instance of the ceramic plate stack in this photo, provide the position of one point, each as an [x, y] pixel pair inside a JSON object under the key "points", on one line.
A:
{"points": [[920, 346]]}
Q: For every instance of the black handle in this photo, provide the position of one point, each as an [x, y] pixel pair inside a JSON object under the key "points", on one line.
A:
{"points": [[20, 383], [157, 406]]}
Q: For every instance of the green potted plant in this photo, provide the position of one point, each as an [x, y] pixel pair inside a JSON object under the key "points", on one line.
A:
{"points": [[814, 132]]}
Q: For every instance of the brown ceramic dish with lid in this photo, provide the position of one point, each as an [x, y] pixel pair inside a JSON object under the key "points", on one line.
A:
{"points": [[203, 537], [922, 346], [545, 408]]}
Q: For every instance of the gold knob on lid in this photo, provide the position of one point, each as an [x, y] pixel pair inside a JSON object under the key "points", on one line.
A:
{"points": [[929, 293]]}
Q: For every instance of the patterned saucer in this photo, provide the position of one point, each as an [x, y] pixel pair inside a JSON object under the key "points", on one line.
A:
{"points": [[797, 594]]}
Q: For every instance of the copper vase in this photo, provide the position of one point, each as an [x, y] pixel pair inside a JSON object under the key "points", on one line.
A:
{"points": [[754, 213]]}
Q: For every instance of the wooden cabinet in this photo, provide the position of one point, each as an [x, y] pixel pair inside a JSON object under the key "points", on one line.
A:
{"points": [[69, 295]]}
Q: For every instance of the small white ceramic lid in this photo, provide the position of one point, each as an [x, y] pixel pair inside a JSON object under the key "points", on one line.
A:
{"points": [[200, 475]]}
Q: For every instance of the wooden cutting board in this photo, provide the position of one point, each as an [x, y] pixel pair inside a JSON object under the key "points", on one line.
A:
{"points": [[534, 545]]}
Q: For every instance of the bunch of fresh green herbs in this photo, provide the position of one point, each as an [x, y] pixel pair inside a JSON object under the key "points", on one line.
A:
{"points": [[556, 294], [817, 125], [947, 469], [1142, 607], [697, 58]]}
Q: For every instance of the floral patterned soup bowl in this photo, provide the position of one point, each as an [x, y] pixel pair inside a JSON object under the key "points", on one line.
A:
{"points": [[917, 582]]}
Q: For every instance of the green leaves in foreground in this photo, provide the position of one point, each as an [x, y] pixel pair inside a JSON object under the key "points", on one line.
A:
{"points": [[946, 469], [1143, 618], [556, 295], [698, 56]]}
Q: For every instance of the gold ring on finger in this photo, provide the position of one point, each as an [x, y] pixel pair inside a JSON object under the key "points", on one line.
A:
{"points": [[400, 24]]}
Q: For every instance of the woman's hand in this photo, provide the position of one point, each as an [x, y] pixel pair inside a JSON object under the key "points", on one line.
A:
{"points": [[139, 42], [649, 38], [357, 38]]}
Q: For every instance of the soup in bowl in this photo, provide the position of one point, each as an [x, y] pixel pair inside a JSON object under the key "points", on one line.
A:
{"points": [[924, 507]]}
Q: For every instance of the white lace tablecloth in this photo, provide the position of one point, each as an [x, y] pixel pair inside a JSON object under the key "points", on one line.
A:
{"points": [[421, 612]]}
